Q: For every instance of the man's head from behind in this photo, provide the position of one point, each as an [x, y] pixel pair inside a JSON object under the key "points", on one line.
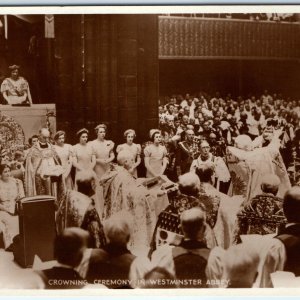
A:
{"points": [[240, 266], [189, 184], [70, 245], [193, 223], [156, 276], [291, 205], [125, 159], [270, 184], [117, 229]]}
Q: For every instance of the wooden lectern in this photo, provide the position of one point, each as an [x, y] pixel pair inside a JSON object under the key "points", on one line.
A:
{"points": [[37, 230]]}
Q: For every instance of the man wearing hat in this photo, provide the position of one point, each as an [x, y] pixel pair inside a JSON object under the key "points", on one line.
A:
{"points": [[15, 89]]}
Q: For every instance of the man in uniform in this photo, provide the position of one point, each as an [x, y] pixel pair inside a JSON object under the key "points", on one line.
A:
{"points": [[187, 151]]}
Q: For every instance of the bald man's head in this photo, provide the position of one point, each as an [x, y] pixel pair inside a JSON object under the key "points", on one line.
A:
{"points": [[189, 184], [193, 223], [243, 142], [291, 205], [44, 135], [125, 159], [270, 184]]}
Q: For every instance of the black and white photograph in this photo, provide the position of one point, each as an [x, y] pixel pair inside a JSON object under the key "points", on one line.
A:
{"points": [[150, 149]]}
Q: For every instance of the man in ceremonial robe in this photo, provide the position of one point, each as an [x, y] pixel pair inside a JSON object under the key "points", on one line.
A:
{"points": [[257, 163], [43, 168], [247, 168], [120, 191], [221, 176]]}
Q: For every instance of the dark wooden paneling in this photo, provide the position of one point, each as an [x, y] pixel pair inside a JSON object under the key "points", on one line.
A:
{"points": [[120, 86], [148, 63], [238, 77]]}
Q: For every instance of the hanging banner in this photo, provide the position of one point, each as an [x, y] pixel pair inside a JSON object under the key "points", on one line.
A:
{"points": [[5, 26], [49, 27]]}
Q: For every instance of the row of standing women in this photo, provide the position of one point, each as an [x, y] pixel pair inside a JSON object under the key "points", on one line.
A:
{"points": [[92, 159]]}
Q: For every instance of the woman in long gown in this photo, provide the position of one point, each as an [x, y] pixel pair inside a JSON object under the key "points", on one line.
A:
{"points": [[84, 160], [11, 189], [134, 149], [156, 156], [64, 152], [103, 150]]}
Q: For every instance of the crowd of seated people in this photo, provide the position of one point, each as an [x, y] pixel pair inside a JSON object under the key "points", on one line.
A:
{"points": [[230, 158]]}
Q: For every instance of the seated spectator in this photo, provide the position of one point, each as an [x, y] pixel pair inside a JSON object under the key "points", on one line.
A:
{"points": [[112, 262], [17, 165], [240, 266], [283, 251], [68, 251], [263, 214], [188, 260]]}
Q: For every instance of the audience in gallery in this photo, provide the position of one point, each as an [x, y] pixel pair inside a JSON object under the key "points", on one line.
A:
{"points": [[271, 17]]}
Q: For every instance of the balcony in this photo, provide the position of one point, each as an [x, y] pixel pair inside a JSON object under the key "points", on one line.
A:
{"points": [[207, 38]]}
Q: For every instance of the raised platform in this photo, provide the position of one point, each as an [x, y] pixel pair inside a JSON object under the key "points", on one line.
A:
{"points": [[31, 118]]}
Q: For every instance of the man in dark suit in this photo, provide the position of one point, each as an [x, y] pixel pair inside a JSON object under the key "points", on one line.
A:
{"points": [[68, 251], [188, 260], [111, 264], [283, 253]]}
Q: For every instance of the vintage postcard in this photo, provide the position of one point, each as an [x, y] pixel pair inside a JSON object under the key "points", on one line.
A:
{"points": [[151, 147]]}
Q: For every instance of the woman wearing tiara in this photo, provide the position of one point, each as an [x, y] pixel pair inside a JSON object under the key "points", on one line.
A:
{"points": [[84, 160], [64, 152], [134, 149], [156, 155], [103, 150]]}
